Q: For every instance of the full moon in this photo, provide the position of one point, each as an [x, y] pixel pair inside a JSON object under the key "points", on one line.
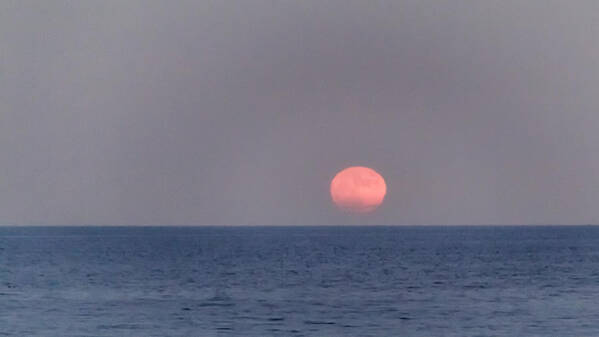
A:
{"points": [[358, 189]]}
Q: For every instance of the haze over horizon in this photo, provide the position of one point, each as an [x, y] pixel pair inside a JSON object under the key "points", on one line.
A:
{"points": [[241, 112]]}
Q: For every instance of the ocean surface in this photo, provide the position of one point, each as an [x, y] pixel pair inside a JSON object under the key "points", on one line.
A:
{"points": [[299, 281]]}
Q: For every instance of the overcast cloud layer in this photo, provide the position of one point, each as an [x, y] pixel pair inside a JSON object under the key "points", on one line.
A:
{"points": [[240, 112]]}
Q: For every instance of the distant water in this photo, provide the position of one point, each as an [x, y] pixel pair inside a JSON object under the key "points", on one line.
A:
{"points": [[300, 281]]}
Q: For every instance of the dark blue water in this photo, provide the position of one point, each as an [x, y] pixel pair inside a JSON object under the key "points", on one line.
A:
{"points": [[300, 281]]}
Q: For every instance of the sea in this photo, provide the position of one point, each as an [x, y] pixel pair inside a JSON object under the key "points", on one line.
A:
{"points": [[300, 281]]}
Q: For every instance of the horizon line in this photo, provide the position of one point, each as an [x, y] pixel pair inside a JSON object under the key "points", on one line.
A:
{"points": [[303, 225]]}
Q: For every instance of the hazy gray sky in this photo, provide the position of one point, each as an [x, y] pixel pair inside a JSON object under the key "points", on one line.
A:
{"points": [[241, 112]]}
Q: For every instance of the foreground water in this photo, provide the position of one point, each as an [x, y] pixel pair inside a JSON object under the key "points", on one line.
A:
{"points": [[300, 281]]}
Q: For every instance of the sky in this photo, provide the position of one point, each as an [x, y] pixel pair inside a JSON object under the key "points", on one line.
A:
{"points": [[241, 112]]}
